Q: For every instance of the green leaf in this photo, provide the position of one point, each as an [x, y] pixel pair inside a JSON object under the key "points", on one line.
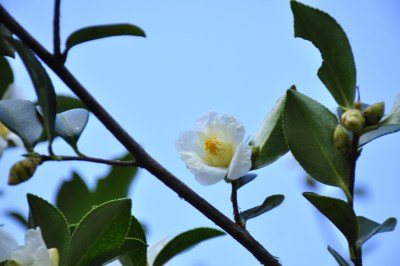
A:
{"points": [[269, 203], [240, 182], [369, 228], [377, 133], [309, 129], [52, 223], [65, 103], [394, 116], [269, 140], [6, 49], [183, 242], [133, 253], [102, 31], [7, 76], [70, 124], [338, 70], [100, 233], [19, 218], [339, 212], [116, 183], [134, 249], [339, 259], [21, 117], [74, 208], [43, 87]]}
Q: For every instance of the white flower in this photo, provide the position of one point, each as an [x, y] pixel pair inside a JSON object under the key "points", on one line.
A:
{"points": [[216, 149], [153, 250], [33, 253]]}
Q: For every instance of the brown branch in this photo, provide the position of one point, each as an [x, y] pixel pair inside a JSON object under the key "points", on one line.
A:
{"points": [[56, 29], [144, 160]]}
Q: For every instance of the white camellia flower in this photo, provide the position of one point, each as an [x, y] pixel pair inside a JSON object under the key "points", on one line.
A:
{"points": [[216, 149], [33, 253]]}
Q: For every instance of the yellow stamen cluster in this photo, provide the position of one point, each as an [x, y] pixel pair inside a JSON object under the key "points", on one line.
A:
{"points": [[218, 152]]}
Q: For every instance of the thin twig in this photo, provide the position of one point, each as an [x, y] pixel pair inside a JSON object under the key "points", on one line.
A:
{"points": [[89, 159], [56, 29], [235, 204], [144, 160]]}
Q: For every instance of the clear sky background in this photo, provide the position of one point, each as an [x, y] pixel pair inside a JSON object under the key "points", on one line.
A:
{"points": [[234, 57]]}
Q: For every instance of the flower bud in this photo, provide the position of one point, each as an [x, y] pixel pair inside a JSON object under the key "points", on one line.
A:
{"points": [[353, 120], [23, 170], [341, 139], [374, 113], [358, 105]]}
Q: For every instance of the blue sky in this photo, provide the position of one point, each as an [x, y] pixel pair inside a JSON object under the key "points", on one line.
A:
{"points": [[230, 57]]}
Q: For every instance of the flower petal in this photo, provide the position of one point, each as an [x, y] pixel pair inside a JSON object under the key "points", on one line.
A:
{"points": [[204, 174], [188, 145], [241, 162], [153, 250], [7, 244]]}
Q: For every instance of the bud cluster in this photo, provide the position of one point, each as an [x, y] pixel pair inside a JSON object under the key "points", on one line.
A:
{"points": [[23, 170]]}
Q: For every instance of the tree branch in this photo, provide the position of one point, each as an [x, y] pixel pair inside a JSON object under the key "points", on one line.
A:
{"points": [[144, 160], [56, 29]]}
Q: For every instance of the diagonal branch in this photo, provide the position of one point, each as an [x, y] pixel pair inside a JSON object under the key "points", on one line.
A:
{"points": [[143, 159]]}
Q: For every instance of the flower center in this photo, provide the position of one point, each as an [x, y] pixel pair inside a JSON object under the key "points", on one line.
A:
{"points": [[218, 152], [3, 130]]}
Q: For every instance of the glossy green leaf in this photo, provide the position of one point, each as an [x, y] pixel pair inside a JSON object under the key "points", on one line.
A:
{"points": [[74, 208], [52, 223], [269, 203], [43, 87], [7, 76], [269, 140], [377, 133], [309, 129], [116, 183], [339, 259], [134, 253], [6, 49], [339, 212], [102, 31], [369, 228], [134, 249], [100, 233], [338, 70], [70, 125], [240, 182], [183, 242], [65, 103], [21, 117]]}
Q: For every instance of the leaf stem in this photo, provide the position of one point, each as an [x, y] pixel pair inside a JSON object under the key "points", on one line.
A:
{"points": [[56, 29], [235, 204], [144, 160], [89, 159]]}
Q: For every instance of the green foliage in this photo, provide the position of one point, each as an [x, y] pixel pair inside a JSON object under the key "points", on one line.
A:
{"points": [[338, 70], [65, 103], [339, 212], [113, 185], [270, 141], [6, 49], [370, 228], [102, 31], [74, 208], [7, 76], [100, 233], [21, 117], [52, 223], [240, 182], [269, 203], [43, 87], [70, 125], [339, 259], [183, 242], [134, 249], [309, 128], [18, 217]]}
